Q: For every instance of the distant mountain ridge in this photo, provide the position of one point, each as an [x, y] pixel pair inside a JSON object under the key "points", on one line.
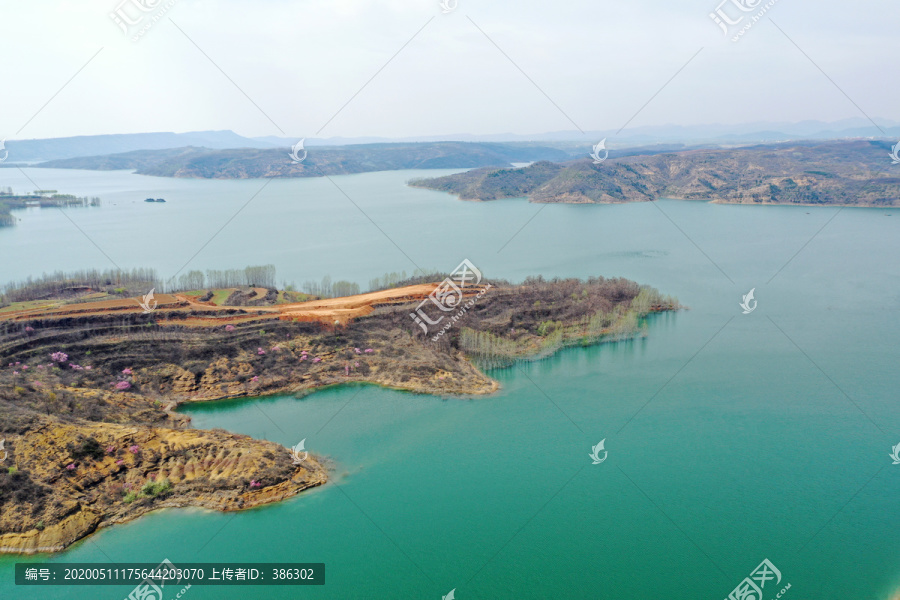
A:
{"points": [[745, 133], [41, 150], [31, 151], [324, 160]]}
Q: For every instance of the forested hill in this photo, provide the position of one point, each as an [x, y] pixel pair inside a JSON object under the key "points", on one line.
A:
{"points": [[248, 163], [852, 173]]}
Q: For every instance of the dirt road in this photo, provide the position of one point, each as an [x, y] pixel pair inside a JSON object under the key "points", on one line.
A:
{"points": [[193, 313]]}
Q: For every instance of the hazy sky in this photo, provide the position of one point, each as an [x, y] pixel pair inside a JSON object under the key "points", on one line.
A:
{"points": [[300, 61]]}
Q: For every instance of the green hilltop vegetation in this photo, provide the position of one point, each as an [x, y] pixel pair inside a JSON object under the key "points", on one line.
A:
{"points": [[245, 163], [849, 173]]}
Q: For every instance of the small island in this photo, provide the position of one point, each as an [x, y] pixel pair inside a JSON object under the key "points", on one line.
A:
{"points": [[93, 369]]}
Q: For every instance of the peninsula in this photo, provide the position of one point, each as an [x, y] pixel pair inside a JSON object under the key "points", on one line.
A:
{"points": [[318, 161], [90, 382], [40, 198], [838, 173]]}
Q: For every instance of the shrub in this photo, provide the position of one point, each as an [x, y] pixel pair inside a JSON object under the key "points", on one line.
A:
{"points": [[156, 488], [546, 327], [89, 447]]}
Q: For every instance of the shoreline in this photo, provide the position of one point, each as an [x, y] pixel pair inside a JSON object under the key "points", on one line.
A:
{"points": [[718, 201], [97, 523]]}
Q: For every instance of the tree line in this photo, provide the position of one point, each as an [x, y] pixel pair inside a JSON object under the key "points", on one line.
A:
{"points": [[135, 282]]}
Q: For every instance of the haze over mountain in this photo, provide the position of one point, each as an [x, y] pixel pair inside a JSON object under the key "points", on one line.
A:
{"points": [[30, 151], [40, 150], [756, 132]]}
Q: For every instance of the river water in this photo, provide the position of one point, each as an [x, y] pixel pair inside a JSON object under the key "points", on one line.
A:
{"points": [[731, 438]]}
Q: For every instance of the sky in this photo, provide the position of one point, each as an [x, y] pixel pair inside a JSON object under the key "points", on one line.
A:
{"points": [[395, 68]]}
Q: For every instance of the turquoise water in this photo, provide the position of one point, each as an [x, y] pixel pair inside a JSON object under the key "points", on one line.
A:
{"points": [[730, 440]]}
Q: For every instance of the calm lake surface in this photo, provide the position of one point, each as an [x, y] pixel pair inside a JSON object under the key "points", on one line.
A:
{"points": [[732, 438]]}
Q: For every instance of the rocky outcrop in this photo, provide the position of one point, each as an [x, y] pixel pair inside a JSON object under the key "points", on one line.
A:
{"points": [[78, 477]]}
